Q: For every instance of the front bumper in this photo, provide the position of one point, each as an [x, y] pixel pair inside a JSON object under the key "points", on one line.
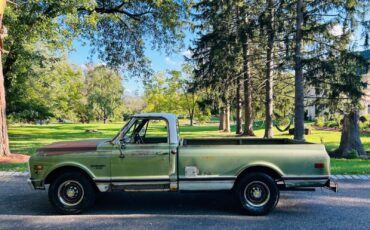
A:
{"points": [[36, 184]]}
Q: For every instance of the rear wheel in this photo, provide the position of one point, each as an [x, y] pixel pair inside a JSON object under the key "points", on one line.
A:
{"points": [[72, 193], [257, 193]]}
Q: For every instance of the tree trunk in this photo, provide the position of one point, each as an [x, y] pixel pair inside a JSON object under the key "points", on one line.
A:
{"points": [[238, 108], [105, 117], [227, 119], [222, 119], [269, 73], [4, 139], [191, 120], [299, 83], [350, 142], [247, 78]]}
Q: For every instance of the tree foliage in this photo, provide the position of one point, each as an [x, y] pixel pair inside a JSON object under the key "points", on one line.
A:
{"points": [[116, 30], [173, 92], [105, 93]]}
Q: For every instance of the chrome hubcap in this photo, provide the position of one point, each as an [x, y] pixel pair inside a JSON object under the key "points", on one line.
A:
{"points": [[256, 194], [70, 193]]}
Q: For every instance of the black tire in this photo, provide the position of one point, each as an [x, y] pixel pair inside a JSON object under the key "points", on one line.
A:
{"points": [[257, 194], [72, 193]]}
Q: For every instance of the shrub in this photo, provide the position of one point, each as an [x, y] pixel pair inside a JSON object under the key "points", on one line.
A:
{"points": [[338, 119], [332, 124], [320, 121], [363, 126], [364, 118]]}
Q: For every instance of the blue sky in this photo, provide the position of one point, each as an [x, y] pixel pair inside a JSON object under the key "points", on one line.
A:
{"points": [[159, 61]]}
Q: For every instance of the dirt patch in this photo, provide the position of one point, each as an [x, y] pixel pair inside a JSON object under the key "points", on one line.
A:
{"points": [[14, 158]]}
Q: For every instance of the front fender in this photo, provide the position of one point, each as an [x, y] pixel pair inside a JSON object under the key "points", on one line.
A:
{"points": [[70, 164]]}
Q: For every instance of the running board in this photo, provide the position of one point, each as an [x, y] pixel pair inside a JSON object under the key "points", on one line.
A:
{"points": [[299, 189]]}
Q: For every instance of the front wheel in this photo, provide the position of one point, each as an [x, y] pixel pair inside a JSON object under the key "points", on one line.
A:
{"points": [[71, 193], [258, 193]]}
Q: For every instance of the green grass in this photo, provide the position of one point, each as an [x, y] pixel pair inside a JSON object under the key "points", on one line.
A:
{"points": [[26, 139], [19, 167], [352, 166]]}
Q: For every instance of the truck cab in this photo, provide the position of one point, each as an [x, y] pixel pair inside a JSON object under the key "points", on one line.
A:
{"points": [[149, 140]]}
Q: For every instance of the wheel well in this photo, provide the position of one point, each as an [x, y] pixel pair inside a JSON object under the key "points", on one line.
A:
{"points": [[259, 169], [56, 172]]}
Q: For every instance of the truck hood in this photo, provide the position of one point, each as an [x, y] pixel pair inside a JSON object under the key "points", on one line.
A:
{"points": [[69, 147]]}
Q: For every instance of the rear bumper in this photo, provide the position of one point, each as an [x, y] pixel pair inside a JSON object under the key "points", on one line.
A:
{"points": [[293, 183], [36, 184], [331, 185]]}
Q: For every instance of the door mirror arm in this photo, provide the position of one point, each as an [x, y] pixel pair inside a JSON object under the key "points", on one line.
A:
{"points": [[121, 147]]}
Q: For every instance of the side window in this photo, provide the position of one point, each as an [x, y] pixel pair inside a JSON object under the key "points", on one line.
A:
{"points": [[157, 131]]}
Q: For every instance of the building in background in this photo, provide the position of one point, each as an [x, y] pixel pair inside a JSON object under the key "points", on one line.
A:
{"points": [[311, 110]]}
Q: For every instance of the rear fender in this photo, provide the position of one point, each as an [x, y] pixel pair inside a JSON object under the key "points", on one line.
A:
{"points": [[261, 164]]}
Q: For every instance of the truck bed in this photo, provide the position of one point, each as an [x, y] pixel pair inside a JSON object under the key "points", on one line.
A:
{"points": [[240, 141]]}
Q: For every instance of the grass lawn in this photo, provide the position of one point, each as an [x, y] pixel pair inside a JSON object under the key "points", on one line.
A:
{"points": [[27, 138]]}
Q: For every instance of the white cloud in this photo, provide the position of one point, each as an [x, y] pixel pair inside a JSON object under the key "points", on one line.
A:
{"points": [[187, 53], [169, 61]]}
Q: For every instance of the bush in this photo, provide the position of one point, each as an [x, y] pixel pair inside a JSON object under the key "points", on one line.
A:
{"points": [[363, 126], [332, 124], [338, 119], [320, 121], [364, 118]]}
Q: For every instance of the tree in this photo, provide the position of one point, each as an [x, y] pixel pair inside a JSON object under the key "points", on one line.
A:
{"points": [[133, 105], [174, 92], [313, 39], [4, 139], [270, 30], [343, 85], [162, 93], [298, 69], [105, 92], [190, 94], [331, 63], [116, 30], [216, 55], [246, 26], [56, 86]]}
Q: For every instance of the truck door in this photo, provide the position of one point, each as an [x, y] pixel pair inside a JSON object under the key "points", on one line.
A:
{"points": [[141, 161]]}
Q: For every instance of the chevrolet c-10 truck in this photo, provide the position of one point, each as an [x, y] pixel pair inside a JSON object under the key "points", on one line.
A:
{"points": [[148, 154]]}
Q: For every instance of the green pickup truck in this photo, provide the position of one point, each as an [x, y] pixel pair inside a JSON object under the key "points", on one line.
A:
{"points": [[148, 154]]}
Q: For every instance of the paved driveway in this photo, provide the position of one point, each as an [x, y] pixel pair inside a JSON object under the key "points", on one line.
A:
{"points": [[20, 207]]}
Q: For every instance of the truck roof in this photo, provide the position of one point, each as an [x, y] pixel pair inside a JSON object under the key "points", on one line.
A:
{"points": [[168, 116]]}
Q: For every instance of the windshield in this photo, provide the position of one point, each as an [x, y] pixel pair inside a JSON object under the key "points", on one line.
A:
{"points": [[120, 131]]}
